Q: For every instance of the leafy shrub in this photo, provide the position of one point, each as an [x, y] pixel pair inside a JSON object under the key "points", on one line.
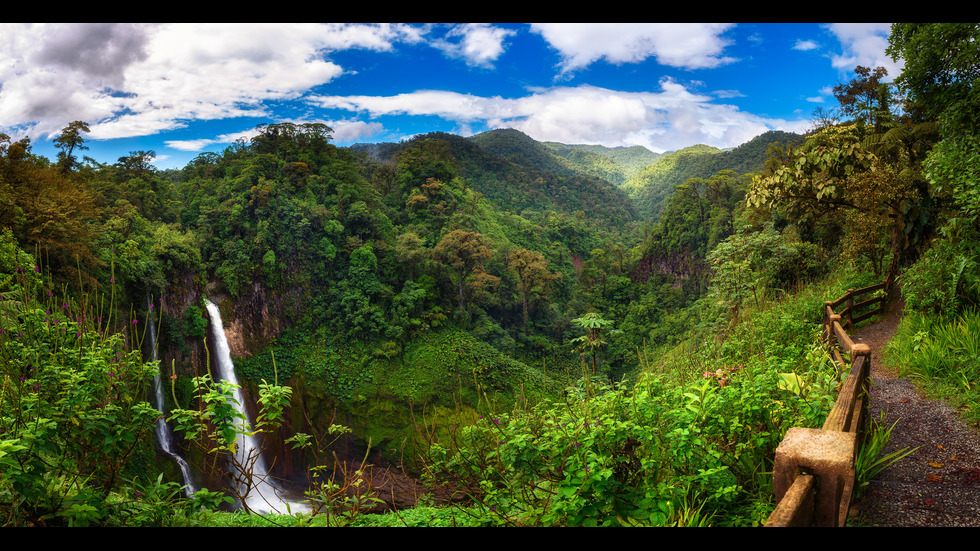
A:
{"points": [[195, 323], [940, 282], [651, 454], [73, 409], [943, 354], [748, 264], [276, 362]]}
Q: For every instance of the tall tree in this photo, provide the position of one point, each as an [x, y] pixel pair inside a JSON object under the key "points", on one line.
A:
{"points": [[137, 163], [46, 210], [533, 276], [68, 141], [866, 97], [942, 73], [833, 173], [465, 252], [597, 330], [942, 69]]}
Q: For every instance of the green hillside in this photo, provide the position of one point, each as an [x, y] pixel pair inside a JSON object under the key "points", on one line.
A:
{"points": [[519, 175], [653, 185], [615, 164]]}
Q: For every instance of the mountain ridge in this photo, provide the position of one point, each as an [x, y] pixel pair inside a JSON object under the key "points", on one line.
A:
{"points": [[645, 178]]}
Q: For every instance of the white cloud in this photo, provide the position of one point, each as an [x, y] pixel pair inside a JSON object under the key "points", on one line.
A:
{"points": [[805, 45], [353, 131], [479, 44], [343, 131], [864, 44], [727, 94], [686, 45], [190, 145], [449, 105], [134, 80], [661, 121], [99, 50]]}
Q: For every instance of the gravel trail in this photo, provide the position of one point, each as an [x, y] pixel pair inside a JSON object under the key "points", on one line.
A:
{"points": [[939, 483]]}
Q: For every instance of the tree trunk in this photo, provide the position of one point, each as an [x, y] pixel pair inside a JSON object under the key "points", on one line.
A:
{"points": [[524, 297], [461, 292], [898, 245]]}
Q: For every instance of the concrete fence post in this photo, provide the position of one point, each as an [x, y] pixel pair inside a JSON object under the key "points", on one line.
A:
{"points": [[827, 455]]}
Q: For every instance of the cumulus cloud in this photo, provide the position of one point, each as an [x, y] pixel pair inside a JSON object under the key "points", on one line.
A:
{"points": [[583, 114], [684, 45], [353, 131], [442, 103], [864, 44], [345, 131], [132, 80], [479, 44], [101, 51], [191, 145]]}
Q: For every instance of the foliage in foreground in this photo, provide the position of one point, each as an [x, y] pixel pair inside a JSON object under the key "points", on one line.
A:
{"points": [[75, 426], [670, 450]]}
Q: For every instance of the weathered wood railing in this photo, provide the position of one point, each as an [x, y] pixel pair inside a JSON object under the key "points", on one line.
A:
{"points": [[813, 473]]}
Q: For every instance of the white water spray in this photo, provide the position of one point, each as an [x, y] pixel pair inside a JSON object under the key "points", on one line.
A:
{"points": [[264, 495], [164, 436]]}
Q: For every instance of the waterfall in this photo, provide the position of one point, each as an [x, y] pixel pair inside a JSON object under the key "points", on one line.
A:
{"points": [[164, 436], [265, 495]]}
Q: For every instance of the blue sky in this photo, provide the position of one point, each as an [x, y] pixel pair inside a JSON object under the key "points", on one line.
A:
{"points": [[182, 89]]}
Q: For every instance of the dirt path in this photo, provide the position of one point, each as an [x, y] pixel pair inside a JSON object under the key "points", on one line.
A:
{"points": [[938, 484]]}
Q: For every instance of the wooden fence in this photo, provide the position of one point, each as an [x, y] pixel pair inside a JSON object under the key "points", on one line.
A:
{"points": [[813, 473]]}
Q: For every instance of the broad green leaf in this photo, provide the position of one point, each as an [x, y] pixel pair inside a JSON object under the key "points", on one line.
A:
{"points": [[791, 382]]}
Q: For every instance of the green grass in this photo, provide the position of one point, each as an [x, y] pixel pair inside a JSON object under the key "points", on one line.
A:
{"points": [[943, 356]]}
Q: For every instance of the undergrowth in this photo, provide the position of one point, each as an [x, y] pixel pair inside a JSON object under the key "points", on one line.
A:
{"points": [[689, 443], [943, 356]]}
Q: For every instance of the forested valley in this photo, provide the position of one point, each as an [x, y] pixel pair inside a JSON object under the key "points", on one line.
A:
{"points": [[472, 331]]}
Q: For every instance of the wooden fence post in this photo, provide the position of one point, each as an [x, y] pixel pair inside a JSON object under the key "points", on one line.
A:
{"points": [[827, 327], [864, 400], [796, 506]]}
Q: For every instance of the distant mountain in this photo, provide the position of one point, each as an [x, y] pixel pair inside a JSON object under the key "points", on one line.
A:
{"points": [[616, 164], [520, 174], [652, 186], [519, 148], [612, 185], [535, 178]]}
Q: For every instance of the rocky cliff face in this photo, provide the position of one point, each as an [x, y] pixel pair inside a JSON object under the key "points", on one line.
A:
{"points": [[252, 320], [680, 267]]}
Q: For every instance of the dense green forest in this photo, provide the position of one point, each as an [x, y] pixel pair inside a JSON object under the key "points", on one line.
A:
{"points": [[534, 333]]}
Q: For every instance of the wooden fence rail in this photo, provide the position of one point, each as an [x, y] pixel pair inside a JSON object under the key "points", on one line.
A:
{"points": [[813, 473]]}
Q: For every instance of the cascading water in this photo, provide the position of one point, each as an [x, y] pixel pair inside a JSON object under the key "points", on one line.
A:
{"points": [[164, 436], [264, 496]]}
